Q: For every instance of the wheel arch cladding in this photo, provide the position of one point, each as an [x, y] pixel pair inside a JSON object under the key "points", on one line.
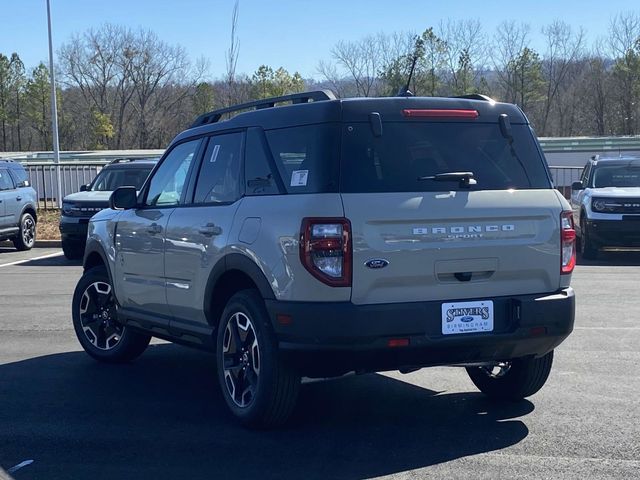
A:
{"points": [[31, 211], [233, 273]]}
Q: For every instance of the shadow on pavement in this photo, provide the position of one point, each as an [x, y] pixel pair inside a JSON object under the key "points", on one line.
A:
{"points": [[613, 258], [163, 417]]}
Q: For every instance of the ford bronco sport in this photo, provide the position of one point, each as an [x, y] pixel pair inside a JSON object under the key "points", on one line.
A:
{"points": [[79, 207], [329, 236], [18, 204], [606, 204]]}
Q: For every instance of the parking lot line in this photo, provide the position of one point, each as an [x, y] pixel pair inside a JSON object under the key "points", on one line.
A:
{"points": [[31, 259]]}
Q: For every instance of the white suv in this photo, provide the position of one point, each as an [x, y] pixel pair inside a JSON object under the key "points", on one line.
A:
{"points": [[606, 204]]}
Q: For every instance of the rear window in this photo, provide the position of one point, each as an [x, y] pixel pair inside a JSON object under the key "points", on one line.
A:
{"points": [[111, 178], [395, 161], [307, 157]]}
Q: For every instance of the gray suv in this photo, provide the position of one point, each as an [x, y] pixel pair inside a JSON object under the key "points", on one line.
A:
{"points": [[311, 236], [78, 208], [18, 205]]}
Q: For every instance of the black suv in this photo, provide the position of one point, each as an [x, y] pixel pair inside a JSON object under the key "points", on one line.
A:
{"points": [[18, 203], [79, 207]]}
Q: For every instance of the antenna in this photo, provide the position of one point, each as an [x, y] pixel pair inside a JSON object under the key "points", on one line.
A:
{"points": [[418, 51]]}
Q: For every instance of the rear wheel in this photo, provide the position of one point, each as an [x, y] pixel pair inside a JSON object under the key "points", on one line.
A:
{"points": [[96, 323], [512, 380], [259, 387], [588, 249], [26, 238]]}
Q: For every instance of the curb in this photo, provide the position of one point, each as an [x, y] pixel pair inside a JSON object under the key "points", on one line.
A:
{"points": [[48, 244]]}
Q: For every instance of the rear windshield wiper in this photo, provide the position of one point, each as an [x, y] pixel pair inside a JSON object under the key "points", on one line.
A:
{"points": [[465, 179]]}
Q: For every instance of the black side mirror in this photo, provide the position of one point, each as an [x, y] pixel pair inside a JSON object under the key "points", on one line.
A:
{"points": [[577, 186], [84, 188], [123, 198]]}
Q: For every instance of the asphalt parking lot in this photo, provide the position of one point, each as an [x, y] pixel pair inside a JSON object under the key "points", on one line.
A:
{"points": [[163, 416]]}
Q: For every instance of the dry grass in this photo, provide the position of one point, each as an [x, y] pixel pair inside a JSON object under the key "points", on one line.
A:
{"points": [[48, 221]]}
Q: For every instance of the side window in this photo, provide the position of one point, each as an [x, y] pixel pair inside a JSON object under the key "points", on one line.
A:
{"points": [[307, 157], [20, 177], [6, 183], [219, 177], [258, 176], [169, 181]]}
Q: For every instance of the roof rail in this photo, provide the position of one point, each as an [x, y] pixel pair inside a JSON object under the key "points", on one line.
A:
{"points": [[476, 96], [305, 97]]}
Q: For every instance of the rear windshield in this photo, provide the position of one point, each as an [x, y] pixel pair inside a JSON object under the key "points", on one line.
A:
{"points": [[395, 161], [111, 178], [617, 176]]}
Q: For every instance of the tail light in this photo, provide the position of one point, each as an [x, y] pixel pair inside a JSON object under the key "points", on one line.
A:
{"points": [[325, 250], [439, 113], [567, 242]]}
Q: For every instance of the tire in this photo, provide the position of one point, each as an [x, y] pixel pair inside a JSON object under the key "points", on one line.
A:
{"points": [[95, 321], [520, 378], [588, 249], [258, 386], [72, 250], [26, 238]]}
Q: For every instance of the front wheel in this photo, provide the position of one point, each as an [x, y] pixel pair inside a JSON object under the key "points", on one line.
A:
{"points": [[588, 249], [512, 380], [95, 321], [26, 238], [258, 386], [72, 250]]}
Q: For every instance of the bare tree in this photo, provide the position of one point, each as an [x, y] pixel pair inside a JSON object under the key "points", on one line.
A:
{"points": [[624, 42], [564, 48], [465, 52], [362, 60], [510, 40]]}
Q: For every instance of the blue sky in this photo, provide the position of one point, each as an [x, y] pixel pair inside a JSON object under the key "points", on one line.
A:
{"points": [[294, 34]]}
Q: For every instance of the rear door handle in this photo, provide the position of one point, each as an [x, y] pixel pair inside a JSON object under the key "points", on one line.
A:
{"points": [[18, 198], [154, 228], [210, 230]]}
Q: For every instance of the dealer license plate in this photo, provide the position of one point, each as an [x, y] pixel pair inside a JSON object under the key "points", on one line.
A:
{"points": [[467, 317]]}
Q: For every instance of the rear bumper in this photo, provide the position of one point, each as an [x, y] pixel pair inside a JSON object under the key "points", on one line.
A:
{"points": [[620, 233], [333, 338]]}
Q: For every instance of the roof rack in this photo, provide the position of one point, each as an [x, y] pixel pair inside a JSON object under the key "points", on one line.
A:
{"points": [[295, 98], [129, 159], [475, 96]]}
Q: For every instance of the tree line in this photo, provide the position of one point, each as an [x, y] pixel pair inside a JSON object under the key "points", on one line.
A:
{"points": [[120, 88]]}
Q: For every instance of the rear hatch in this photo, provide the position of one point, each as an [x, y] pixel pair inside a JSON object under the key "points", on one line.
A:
{"points": [[419, 238]]}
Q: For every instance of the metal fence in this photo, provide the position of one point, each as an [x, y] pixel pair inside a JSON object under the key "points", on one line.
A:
{"points": [[42, 176], [563, 177]]}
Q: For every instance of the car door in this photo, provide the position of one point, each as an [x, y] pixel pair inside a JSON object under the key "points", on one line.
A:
{"points": [[198, 234], [6, 192], [140, 235]]}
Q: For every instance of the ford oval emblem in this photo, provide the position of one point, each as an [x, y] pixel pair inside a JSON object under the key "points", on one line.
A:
{"points": [[376, 263], [466, 319]]}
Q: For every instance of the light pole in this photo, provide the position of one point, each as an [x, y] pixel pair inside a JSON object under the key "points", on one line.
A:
{"points": [[54, 113]]}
